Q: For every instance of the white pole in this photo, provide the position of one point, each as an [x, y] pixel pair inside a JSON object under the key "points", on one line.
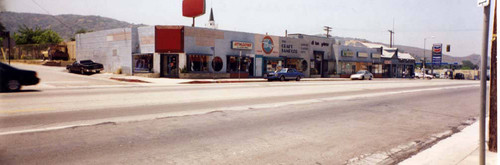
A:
{"points": [[484, 63], [239, 67]]}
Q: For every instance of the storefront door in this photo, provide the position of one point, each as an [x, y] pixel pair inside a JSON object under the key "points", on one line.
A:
{"points": [[169, 65], [324, 68]]}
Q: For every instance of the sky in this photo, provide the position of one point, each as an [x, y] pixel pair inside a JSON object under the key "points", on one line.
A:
{"points": [[455, 22]]}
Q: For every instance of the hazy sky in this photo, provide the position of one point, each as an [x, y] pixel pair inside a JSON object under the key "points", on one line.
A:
{"points": [[455, 22]]}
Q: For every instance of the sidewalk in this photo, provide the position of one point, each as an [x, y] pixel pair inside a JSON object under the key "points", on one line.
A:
{"points": [[172, 81], [461, 148]]}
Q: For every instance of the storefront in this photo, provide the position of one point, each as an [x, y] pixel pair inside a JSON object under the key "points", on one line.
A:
{"points": [[242, 65], [273, 64], [142, 63]]}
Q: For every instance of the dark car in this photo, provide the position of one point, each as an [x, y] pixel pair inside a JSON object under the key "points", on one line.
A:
{"points": [[459, 76], [85, 66], [12, 79], [284, 74]]}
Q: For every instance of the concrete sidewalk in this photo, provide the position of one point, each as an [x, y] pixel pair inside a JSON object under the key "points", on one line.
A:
{"points": [[461, 148]]}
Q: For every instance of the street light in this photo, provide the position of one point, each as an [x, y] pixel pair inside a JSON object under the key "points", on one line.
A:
{"points": [[423, 63]]}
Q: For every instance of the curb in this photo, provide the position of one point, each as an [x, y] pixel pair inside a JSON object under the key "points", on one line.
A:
{"points": [[405, 151]]}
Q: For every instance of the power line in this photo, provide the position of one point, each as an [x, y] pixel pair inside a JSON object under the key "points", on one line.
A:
{"points": [[61, 22]]}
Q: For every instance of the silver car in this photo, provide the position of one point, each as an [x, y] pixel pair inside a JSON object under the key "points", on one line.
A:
{"points": [[361, 75]]}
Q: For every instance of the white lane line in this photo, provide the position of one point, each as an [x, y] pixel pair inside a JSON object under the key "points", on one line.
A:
{"points": [[204, 111]]}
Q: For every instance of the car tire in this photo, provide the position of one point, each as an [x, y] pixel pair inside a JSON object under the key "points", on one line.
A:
{"points": [[98, 71], [362, 77], [298, 78], [13, 85], [82, 72], [370, 78], [282, 78]]}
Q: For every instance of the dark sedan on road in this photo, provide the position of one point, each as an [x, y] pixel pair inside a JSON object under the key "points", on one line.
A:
{"points": [[85, 66], [284, 74], [11, 79]]}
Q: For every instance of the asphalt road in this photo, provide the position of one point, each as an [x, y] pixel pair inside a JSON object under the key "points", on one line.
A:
{"points": [[245, 123]]}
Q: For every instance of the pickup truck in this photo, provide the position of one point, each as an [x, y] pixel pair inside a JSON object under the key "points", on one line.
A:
{"points": [[84, 67]]}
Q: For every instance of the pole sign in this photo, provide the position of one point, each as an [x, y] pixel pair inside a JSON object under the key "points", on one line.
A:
{"points": [[437, 54], [483, 3]]}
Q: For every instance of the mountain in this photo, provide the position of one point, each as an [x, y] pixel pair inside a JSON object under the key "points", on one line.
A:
{"points": [[65, 25]]}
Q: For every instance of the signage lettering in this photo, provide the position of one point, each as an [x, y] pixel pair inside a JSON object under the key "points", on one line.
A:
{"points": [[241, 45]]}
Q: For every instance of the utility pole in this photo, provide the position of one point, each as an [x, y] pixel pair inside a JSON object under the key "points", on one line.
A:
{"points": [[328, 29], [484, 63], [392, 32]]}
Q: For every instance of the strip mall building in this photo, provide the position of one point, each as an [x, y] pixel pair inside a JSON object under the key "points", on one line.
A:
{"points": [[193, 52]]}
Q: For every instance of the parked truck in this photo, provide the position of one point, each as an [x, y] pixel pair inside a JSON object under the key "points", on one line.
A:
{"points": [[56, 52]]}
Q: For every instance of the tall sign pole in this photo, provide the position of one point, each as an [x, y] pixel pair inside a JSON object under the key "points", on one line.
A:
{"points": [[484, 57]]}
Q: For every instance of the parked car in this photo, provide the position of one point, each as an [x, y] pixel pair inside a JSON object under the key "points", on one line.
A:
{"points": [[420, 75], [459, 76], [12, 78], [284, 74], [361, 75], [85, 66]]}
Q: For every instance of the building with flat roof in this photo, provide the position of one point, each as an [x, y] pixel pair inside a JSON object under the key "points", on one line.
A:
{"points": [[195, 52]]}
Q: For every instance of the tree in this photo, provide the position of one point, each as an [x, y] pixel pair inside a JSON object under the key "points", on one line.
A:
{"points": [[467, 65], [81, 31], [28, 35], [2, 29]]}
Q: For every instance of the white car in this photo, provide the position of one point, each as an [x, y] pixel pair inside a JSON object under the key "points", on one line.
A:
{"points": [[427, 76], [361, 75]]}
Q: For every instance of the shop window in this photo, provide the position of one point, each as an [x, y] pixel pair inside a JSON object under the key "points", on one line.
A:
{"points": [[143, 63], [304, 65], [273, 65], [198, 63], [237, 64], [217, 64], [294, 63], [348, 67]]}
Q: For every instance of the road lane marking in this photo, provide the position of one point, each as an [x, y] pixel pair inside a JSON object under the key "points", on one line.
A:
{"points": [[25, 110], [138, 118]]}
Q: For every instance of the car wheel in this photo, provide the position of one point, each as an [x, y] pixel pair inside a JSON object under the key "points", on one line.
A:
{"points": [[98, 71], [81, 71], [362, 77], [371, 78], [282, 78], [13, 85], [298, 78]]}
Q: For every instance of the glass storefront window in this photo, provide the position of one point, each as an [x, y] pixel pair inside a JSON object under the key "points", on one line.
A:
{"points": [[348, 67], [217, 64], [234, 63], [377, 69], [296, 64], [198, 63], [143, 63], [273, 65]]}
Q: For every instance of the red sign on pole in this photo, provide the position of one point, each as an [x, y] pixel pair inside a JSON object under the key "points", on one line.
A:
{"points": [[193, 8]]}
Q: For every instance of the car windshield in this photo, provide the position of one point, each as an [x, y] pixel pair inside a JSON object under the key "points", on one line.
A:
{"points": [[283, 70], [86, 61], [360, 72]]}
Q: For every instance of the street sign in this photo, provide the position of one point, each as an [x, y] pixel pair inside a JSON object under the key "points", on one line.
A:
{"points": [[483, 3]]}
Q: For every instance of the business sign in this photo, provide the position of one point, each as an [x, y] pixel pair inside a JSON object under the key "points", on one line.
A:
{"points": [[347, 53], [193, 8], [437, 54], [267, 45], [241, 45], [362, 55], [374, 55], [483, 3]]}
